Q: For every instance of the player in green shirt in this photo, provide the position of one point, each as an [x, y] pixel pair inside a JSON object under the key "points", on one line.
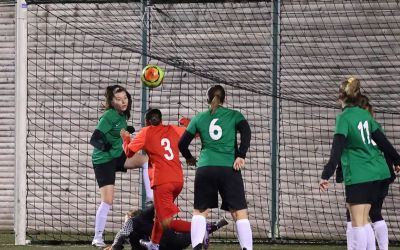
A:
{"points": [[108, 156], [218, 167], [365, 170], [379, 225]]}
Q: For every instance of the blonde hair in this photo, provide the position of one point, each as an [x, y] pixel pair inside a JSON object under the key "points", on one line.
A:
{"points": [[215, 102], [349, 91]]}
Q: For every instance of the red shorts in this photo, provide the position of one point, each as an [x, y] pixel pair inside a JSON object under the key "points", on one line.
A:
{"points": [[164, 197]]}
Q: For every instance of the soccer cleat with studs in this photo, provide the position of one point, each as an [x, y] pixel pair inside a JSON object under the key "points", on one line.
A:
{"points": [[98, 243], [148, 245], [206, 239], [217, 225]]}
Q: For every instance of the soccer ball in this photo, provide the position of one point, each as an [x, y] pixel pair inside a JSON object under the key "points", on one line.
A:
{"points": [[152, 76]]}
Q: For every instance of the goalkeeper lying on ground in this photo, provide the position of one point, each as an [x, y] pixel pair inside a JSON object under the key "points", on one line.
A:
{"points": [[138, 225]]}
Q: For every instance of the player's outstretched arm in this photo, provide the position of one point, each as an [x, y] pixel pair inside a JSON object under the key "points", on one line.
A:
{"points": [[126, 139]]}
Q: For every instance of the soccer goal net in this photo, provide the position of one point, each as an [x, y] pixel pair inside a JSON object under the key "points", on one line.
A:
{"points": [[281, 63]]}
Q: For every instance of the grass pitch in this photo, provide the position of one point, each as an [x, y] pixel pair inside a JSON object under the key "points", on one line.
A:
{"points": [[7, 242]]}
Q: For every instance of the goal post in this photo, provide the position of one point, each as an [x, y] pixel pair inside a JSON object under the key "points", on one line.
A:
{"points": [[21, 63]]}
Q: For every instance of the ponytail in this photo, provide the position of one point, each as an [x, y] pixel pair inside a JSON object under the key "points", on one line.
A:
{"points": [[349, 91], [215, 102], [215, 97], [352, 87]]}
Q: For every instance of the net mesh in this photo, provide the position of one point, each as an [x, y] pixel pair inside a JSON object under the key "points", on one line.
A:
{"points": [[77, 48]]}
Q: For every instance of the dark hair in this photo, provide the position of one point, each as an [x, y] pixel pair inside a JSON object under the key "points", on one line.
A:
{"points": [[153, 117], [110, 93], [363, 102], [215, 97], [349, 91]]}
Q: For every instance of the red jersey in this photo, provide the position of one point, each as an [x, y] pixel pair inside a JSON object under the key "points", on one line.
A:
{"points": [[161, 145]]}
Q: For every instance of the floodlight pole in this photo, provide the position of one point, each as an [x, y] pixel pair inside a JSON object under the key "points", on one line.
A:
{"points": [[275, 121], [144, 93], [21, 67]]}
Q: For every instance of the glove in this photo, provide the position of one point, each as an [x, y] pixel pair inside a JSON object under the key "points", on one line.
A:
{"points": [[130, 129]]}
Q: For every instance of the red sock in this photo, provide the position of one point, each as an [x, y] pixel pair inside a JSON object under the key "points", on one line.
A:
{"points": [[157, 232], [180, 226]]}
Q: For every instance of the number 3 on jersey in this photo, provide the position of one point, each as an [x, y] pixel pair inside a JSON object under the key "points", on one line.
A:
{"points": [[167, 146], [215, 131]]}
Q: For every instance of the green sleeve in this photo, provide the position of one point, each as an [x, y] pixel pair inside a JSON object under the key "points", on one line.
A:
{"points": [[342, 126], [192, 127], [104, 124], [239, 117]]}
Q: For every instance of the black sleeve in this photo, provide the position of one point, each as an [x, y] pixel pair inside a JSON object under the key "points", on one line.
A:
{"points": [[385, 146], [98, 140], [184, 142], [123, 235], [390, 164], [245, 137], [339, 173], [338, 145]]}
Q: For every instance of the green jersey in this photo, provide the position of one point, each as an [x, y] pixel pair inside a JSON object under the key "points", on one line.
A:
{"points": [[361, 160], [110, 124], [218, 136]]}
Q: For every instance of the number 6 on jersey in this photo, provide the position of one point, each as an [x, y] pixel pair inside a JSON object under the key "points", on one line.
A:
{"points": [[215, 131]]}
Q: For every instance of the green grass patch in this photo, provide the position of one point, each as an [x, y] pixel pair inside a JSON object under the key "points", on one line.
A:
{"points": [[7, 242]]}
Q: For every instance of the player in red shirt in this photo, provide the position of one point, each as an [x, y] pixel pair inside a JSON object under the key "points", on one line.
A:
{"points": [[165, 171]]}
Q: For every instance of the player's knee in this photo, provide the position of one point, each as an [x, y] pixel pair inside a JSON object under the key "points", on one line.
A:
{"points": [[203, 212], [239, 214], [166, 223]]}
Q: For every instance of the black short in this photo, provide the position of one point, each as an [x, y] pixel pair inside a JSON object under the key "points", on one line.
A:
{"points": [[228, 182], [367, 192], [105, 172]]}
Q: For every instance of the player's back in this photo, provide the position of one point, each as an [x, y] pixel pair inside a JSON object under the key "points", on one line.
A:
{"points": [[161, 145], [361, 160], [218, 136]]}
